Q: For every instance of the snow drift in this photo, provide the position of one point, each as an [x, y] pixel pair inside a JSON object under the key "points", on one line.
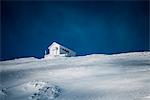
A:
{"points": [[93, 77]]}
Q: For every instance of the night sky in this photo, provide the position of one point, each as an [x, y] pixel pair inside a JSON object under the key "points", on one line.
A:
{"points": [[87, 27]]}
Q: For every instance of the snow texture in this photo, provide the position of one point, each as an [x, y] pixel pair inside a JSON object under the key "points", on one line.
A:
{"points": [[44, 91], [123, 76]]}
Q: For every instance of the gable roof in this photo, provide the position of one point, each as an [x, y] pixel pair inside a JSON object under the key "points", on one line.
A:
{"points": [[55, 43]]}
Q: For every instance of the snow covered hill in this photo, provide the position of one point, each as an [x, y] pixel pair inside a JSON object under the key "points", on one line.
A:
{"points": [[123, 76]]}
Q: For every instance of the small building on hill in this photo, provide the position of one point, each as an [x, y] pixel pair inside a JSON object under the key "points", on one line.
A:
{"points": [[56, 49]]}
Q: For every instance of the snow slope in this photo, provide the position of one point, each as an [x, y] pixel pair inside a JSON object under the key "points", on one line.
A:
{"points": [[123, 76]]}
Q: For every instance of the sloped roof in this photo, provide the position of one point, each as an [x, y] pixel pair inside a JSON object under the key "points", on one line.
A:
{"points": [[55, 43]]}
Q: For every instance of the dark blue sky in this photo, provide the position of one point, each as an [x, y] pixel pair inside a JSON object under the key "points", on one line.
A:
{"points": [[28, 28]]}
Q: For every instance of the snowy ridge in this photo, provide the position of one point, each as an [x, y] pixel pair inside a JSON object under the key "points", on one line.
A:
{"points": [[92, 77]]}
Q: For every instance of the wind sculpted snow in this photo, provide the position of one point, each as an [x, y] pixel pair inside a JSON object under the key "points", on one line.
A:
{"points": [[92, 77]]}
